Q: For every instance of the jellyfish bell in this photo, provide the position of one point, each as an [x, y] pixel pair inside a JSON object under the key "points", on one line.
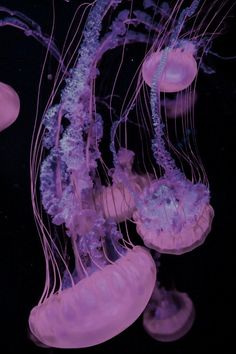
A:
{"points": [[169, 315], [174, 216], [117, 201], [99, 306], [179, 72], [9, 106]]}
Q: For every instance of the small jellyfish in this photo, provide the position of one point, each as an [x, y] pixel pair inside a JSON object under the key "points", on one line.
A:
{"points": [[9, 106], [169, 315], [180, 68]]}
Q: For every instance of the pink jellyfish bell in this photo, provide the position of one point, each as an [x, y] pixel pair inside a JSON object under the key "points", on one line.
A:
{"points": [[174, 216], [169, 315], [179, 72], [9, 106], [99, 306]]}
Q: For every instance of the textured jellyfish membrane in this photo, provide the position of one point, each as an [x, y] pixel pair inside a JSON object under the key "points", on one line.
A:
{"points": [[169, 315], [9, 106]]}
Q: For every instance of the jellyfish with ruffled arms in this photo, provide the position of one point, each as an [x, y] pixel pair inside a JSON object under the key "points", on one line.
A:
{"points": [[173, 214], [94, 302]]}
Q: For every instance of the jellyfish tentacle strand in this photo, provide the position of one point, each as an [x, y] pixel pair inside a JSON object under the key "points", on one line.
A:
{"points": [[30, 28]]}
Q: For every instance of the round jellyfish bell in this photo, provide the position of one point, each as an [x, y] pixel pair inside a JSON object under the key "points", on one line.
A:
{"points": [[174, 216], [9, 106], [99, 306], [179, 72], [169, 315]]}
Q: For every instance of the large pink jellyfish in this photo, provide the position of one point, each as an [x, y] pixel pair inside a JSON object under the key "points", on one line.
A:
{"points": [[99, 306], [9, 106]]}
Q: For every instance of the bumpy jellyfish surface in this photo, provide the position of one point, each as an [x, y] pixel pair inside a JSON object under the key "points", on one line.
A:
{"points": [[174, 216], [179, 72], [9, 106], [169, 315], [99, 306]]}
